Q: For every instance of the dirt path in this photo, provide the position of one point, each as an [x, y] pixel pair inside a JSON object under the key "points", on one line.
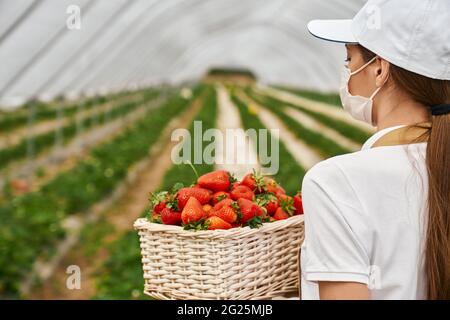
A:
{"points": [[315, 106], [302, 153], [239, 157], [121, 214]]}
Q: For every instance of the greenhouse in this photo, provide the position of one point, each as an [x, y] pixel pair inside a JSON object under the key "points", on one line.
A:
{"points": [[191, 149]]}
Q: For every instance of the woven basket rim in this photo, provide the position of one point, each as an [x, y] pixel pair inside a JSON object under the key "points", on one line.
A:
{"points": [[142, 224]]}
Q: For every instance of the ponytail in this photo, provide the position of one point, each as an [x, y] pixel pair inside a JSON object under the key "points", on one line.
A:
{"points": [[437, 256]]}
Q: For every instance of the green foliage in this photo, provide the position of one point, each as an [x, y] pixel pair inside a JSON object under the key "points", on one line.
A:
{"points": [[43, 141], [121, 276], [330, 98], [31, 223], [290, 173], [45, 111], [92, 234], [325, 146], [231, 72], [182, 172], [347, 130]]}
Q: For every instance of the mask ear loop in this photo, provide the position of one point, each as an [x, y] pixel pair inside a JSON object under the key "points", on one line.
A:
{"points": [[363, 66]]}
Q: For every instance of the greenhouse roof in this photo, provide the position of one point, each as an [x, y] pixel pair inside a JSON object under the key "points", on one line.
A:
{"points": [[122, 44]]}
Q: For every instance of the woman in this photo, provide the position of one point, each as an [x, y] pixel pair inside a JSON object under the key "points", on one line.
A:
{"points": [[377, 221]]}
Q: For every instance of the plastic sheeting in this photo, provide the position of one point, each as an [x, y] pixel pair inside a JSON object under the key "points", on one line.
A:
{"points": [[128, 43]]}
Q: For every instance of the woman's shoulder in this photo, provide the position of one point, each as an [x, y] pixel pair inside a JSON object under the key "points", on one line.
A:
{"points": [[363, 165], [332, 166]]}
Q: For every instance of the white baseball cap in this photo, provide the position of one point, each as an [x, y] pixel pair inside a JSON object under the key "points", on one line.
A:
{"points": [[412, 34]]}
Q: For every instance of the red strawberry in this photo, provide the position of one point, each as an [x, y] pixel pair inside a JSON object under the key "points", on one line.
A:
{"points": [[219, 196], [242, 192], [225, 212], [248, 210], [280, 214], [298, 204], [200, 194], [268, 201], [219, 180], [158, 201], [249, 181], [286, 203], [221, 204], [272, 207], [279, 191], [169, 216], [235, 184], [215, 223], [207, 207], [276, 190], [271, 186], [272, 204], [159, 207], [193, 211], [254, 181]]}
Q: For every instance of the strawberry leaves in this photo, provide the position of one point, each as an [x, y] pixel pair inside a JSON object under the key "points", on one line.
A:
{"points": [[196, 226]]}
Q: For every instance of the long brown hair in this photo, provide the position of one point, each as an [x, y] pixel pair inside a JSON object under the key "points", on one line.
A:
{"points": [[437, 247]]}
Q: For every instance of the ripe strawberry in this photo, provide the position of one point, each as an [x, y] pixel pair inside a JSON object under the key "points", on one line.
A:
{"points": [[234, 185], [286, 203], [159, 207], [225, 212], [207, 207], [298, 204], [193, 211], [219, 180], [248, 210], [200, 194], [221, 204], [280, 214], [272, 207], [268, 201], [219, 196], [249, 181], [273, 187], [169, 216], [242, 192], [158, 201], [276, 190], [215, 223], [279, 191], [254, 181]]}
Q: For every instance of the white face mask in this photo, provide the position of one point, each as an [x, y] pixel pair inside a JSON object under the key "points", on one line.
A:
{"points": [[359, 107]]}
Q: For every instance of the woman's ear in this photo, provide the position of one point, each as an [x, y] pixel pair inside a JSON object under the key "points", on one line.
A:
{"points": [[382, 72]]}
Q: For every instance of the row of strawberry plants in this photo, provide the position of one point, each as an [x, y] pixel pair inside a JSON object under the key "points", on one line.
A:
{"points": [[42, 111], [121, 275], [347, 130], [43, 141], [290, 172], [324, 146], [332, 99], [31, 224]]}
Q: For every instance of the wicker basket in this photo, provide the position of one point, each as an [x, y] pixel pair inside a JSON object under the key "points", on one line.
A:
{"points": [[239, 263]]}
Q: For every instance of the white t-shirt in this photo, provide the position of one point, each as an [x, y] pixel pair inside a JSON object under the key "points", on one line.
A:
{"points": [[364, 220]]}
